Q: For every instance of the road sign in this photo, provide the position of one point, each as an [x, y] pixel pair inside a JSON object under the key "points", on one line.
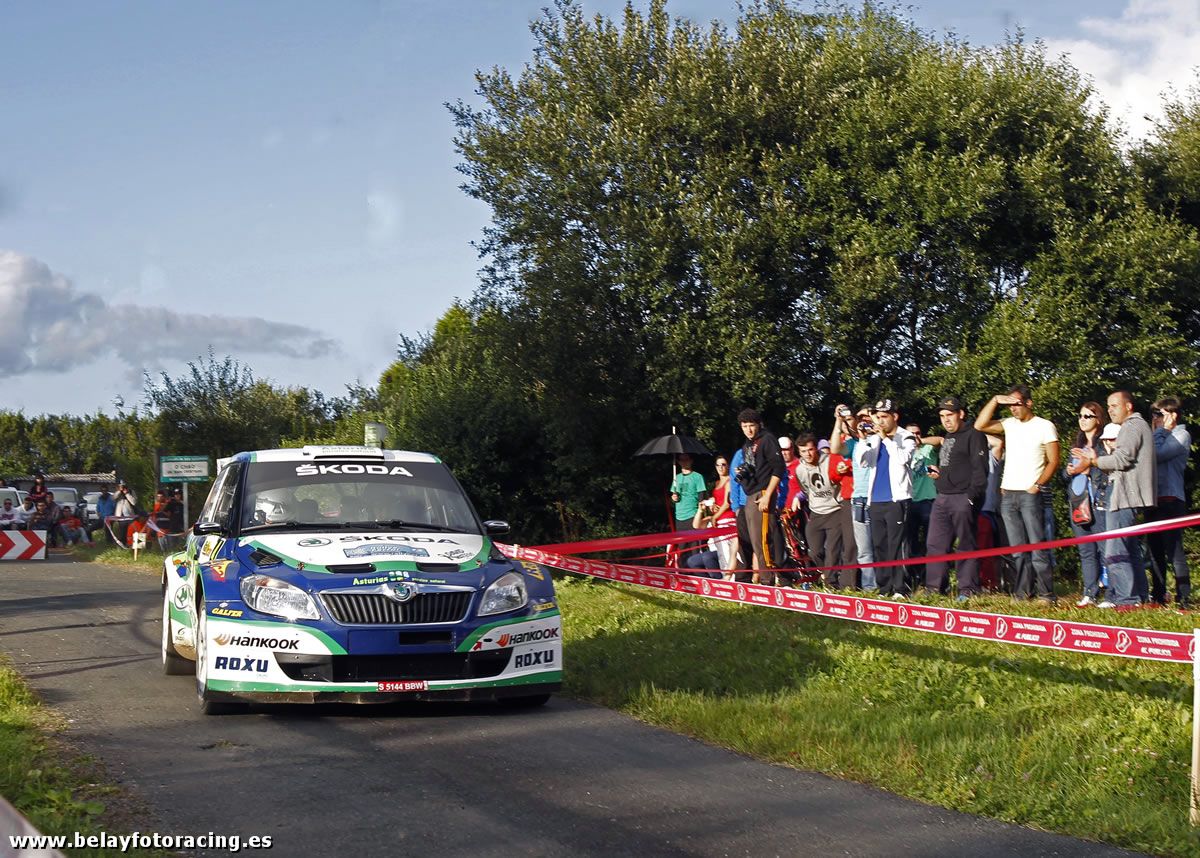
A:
{"points": [[23, 545], [185, 469]]}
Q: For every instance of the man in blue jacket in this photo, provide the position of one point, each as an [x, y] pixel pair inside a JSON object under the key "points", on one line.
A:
{"points": [[1172, 447], [106, 506]]}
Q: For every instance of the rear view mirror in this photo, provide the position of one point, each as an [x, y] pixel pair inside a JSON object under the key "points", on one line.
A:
{"points": [[495, 527]]}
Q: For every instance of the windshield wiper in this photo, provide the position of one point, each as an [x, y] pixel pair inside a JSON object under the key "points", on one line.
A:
{"points": [[286, 525], [397, 524]]}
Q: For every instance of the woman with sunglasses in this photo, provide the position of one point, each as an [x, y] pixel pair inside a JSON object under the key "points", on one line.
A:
{"points": [[1091, 482]]}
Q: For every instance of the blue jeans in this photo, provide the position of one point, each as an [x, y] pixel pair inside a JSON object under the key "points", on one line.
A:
{"points": [[862, 539], [1091, 554], [1127, 583], [1024, 522]]}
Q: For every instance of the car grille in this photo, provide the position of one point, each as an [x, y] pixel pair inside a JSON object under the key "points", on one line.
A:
{"points": [[376, 609], [377, 668]]}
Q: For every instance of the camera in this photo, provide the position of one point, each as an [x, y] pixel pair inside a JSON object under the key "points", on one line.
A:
{"points": [[866, 426], [844, 412], [745, 473]]}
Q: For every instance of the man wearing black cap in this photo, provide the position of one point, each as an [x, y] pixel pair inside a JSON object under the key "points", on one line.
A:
{"points": [[760, 474], [887, 455], [962, 475]]}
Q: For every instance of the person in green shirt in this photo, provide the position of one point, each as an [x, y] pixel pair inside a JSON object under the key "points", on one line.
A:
{"points": [[687, 490], [924, 493]]}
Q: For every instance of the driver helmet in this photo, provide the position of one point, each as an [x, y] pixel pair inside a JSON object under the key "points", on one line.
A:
{"points": [[276, 505]]}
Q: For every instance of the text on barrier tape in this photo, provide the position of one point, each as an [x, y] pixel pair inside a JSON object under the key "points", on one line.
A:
{"points": [[1026, 631]]}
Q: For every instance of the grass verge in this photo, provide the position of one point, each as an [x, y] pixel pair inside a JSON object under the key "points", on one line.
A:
{"points": [[1086, 745], [114, 555], [59, 790]]}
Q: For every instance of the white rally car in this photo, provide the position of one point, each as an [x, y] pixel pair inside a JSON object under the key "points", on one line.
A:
{"points": [[353, 574]]}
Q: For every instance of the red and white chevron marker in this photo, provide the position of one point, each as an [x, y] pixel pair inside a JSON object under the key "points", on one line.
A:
{"points": [[22, 545]]}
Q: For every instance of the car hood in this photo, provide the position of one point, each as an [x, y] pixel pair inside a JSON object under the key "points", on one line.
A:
{"points": [[339, 549]]}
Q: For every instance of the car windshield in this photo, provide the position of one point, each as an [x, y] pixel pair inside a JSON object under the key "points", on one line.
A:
{"points": [[355, 494], [64, 495]]}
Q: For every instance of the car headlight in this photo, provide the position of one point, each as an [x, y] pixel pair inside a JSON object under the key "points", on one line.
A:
{"points": [[507, 593], [271, 596]]}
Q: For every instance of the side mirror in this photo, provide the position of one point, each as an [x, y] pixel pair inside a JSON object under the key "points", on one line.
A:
{"points": [[204, 528], [495, 528]]}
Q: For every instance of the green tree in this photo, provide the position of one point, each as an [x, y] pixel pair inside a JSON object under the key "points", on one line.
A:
{"points": [[218, 408], [1169, 162], [810, 207]]}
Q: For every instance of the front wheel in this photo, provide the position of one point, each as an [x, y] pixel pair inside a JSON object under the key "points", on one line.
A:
{"points": [[211, 702], [173, 664]]}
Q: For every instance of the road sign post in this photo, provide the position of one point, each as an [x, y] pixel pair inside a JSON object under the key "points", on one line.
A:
{"points": [[184, 469]]}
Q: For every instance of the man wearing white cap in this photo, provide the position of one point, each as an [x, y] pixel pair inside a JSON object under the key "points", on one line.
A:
{"points": [[887, 455]]}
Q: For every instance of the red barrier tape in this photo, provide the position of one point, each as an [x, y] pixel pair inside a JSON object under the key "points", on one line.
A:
{"points": [[1003, 550], [1026, 631], [650, 540]]}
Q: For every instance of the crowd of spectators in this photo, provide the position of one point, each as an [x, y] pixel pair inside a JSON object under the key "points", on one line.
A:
{"points": [[879, 491], [116, 514]]}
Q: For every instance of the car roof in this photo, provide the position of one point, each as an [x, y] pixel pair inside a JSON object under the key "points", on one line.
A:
{"points": [[341, 452]]}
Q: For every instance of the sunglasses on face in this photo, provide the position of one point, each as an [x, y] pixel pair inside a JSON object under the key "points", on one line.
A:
{"points": [[1087, 416]]}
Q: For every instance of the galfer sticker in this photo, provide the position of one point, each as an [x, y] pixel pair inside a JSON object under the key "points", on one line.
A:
{"points": [[391, 550]]}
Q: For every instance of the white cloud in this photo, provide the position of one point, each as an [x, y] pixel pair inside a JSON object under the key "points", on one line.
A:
{"points": [[47, 325], [1135, 58]]}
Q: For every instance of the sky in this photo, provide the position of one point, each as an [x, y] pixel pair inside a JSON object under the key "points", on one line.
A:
{"points": [[276, 180]]}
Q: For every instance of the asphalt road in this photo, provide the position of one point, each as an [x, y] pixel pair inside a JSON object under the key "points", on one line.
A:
{"points": [[567, 780]]}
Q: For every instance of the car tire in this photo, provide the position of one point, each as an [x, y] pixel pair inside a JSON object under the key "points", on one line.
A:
{"points": [[531, 701], [211, 702], [173, 664]]}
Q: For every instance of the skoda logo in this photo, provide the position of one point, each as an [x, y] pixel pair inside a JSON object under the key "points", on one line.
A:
{"points": [[313, 542], [402, 592]]}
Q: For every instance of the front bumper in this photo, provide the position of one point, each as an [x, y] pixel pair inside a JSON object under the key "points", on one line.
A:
{"points": [[284, 662]]}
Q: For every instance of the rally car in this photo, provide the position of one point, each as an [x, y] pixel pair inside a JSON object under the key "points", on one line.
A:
{"points": [[353, 574]]}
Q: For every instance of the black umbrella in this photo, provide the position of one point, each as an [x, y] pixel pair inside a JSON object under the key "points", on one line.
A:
{"points": [[672, 445]]}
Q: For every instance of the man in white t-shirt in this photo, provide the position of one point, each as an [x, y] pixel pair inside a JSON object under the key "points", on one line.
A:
{"points": [[1030, 460]]}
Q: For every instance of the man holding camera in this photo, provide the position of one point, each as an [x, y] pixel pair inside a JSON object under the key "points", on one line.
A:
{"points": [[887, 455], [759, 474], [849, 430]]}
